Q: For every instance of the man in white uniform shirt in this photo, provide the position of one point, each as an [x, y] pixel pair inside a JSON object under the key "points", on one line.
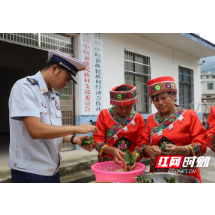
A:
{"points": [[36, 131]]}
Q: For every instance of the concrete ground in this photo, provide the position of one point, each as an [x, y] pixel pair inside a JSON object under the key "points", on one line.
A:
{"points": [[72, 161], [76, 165], [208, 173]]}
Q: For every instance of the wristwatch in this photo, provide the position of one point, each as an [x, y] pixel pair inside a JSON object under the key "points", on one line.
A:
{"points": [[71, 140]]}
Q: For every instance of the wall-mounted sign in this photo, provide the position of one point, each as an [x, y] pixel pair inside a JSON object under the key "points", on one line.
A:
{"points": [[91, 77]]}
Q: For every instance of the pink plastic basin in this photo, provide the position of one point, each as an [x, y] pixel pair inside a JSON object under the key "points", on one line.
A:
{"points": [[105, 171]]}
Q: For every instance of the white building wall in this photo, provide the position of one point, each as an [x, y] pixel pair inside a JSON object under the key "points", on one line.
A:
{"points": [[164, 62]]}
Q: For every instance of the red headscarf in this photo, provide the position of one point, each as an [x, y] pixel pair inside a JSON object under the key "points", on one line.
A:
{"points": [[122, 98], [161, 85]]}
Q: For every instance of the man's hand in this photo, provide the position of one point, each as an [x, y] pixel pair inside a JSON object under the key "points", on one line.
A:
{"points": [[154, 151], [79, 139], [86, 128]]}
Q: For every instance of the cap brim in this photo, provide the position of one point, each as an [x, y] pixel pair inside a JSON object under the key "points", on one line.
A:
{"points": [[73, 78]]}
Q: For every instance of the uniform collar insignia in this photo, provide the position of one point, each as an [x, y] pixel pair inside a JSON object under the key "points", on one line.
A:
{"points": [[32, 81], [58, 94]]}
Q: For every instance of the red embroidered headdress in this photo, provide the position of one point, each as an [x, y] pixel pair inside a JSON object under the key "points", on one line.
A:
{"points": [[161, 85], [122, 98]]}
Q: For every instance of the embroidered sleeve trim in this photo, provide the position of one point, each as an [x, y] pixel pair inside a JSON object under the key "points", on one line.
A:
{"points": [[196, 149], [99, 146], [102, 150], [191, 149], [137, 155], [139, 151]]}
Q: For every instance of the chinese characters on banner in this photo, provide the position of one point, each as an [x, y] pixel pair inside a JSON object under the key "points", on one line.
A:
{"points": [[97, 64], [91, 77], [86, 77]]}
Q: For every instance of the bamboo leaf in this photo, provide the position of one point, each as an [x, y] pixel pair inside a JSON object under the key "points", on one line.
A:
{"points": [[171, 180], [90, 141], [129, 158]]}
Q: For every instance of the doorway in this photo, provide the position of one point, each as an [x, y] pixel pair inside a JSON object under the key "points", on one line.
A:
{"points": [[16, 62]]}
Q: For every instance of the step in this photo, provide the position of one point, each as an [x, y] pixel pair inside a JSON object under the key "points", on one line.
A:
{"points": [[69, 168], [66, 168], [74, 172], [83, 176], [6, 179]]}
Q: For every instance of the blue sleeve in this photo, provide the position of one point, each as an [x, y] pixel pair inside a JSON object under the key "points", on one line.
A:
{"points": [[23, 102]]}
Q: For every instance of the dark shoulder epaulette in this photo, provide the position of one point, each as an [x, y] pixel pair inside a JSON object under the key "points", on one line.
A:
{"points": [[58, 94], [33, 81]]}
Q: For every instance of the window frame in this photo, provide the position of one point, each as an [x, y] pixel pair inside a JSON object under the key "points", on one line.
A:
{"points": [[134, 70], [183, 83], [212, 84]]}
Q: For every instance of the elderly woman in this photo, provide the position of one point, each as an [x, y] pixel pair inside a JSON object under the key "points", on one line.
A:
{"points": [[120, 127], [181, 129]]}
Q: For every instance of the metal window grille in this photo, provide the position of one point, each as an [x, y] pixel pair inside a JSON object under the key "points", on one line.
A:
{"points": [[138, 72], [42, 41], [204, 109], [186, 94], [28, 39], [57, 42], [67, 109]]}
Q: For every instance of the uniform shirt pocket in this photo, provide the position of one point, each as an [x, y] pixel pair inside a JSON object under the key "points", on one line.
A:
{"points": [[57, 119], [44, 117]]}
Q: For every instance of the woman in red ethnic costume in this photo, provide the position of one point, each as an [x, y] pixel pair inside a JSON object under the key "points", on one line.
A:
{"points": [[211, 130], [181, 129], [120, 127]]}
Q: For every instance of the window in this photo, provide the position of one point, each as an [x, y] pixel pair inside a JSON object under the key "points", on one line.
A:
{"points": [[138, 72], [204, 76], [210, 86], [29, 39], [57, 42], [67, 109], [185, 87], [47, 41]]}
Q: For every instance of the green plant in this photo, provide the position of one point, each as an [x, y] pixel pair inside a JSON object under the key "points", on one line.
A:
{"points": [[163, 146], [171, 180], [142, 179], [129, 158], [91, 140]]}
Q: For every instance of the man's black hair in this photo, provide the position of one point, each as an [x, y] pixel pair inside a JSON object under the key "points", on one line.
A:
{"points": [[50, 64], [123, 88]]}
